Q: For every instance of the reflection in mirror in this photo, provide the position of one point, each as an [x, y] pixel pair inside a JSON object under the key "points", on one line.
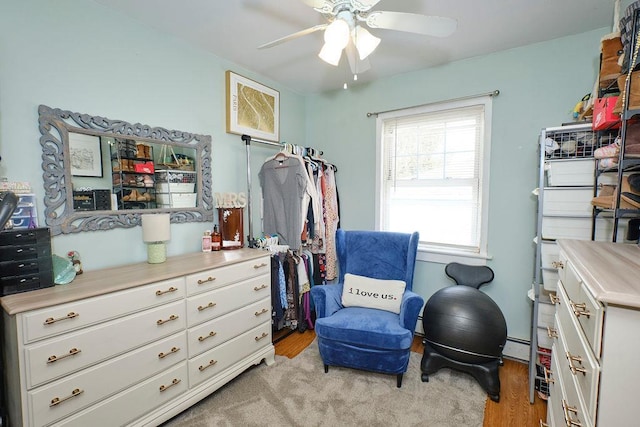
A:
{"points": [[117, 171]]}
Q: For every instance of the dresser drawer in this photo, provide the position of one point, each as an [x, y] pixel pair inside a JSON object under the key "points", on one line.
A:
{"points": [[215, 332], [573, 401], [216, 278], [95, 383], [584, 370], [218, 359], [69, 353], [588, 315], [124, 407], [555, 416], [62, 318], [207, 306]]}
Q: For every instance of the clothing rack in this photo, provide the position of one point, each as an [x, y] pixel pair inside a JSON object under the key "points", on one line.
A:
{"points": [[247, 139]]}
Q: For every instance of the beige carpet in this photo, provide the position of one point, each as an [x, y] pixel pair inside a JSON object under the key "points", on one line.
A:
{"points": [[297, 392]]}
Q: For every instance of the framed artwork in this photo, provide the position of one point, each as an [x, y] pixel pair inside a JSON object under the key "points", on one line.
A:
{"points": [[252, 109], [85, 155]]}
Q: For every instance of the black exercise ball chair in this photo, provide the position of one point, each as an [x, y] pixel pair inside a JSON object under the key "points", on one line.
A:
{"points": [[464, 329]]}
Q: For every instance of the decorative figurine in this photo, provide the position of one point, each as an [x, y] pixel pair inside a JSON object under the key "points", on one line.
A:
{"points": [[75, 260]]}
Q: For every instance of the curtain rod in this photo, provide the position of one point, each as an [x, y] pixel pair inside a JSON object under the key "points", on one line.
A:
{"points": [[492, 93]]}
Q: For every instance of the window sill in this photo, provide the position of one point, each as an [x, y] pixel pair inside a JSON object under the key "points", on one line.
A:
{"points": [[443, 256]]}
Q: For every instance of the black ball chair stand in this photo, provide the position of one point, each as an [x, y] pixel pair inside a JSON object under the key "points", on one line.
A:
{"points": [[464, 329]]}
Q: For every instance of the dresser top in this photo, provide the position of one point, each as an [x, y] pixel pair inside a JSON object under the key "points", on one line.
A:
{"points": [[99, 282], [611, 271]]}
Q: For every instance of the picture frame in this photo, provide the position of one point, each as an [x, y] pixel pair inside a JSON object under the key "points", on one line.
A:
{"points": [[252, 108], [85, 155]]}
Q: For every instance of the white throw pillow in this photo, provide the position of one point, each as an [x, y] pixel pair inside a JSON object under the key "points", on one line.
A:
{"points": [[360, 291]]}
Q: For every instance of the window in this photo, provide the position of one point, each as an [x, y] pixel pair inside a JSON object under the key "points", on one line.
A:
{"points": [[433, 175]]}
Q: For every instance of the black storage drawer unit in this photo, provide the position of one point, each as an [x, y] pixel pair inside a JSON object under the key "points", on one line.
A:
{"points": [[25, 260]]}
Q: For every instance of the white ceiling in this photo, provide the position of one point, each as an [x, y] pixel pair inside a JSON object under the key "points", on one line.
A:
{"points": [[233, 29]]}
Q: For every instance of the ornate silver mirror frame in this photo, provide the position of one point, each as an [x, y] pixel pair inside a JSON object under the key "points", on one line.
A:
{"points": [[55, 126]]}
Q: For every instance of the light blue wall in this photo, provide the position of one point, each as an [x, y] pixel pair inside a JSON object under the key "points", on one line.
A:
{"points": [[82, 57], [539, 86]]}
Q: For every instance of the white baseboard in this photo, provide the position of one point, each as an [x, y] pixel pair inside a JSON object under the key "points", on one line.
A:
{"points": [[517, 349], [514, 348]]}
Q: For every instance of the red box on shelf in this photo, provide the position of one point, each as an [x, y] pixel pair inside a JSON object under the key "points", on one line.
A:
{"points": [[603, 115], [146, 167]]}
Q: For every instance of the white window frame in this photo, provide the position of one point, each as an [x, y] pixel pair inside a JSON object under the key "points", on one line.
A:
{"points": [[441, 254]]}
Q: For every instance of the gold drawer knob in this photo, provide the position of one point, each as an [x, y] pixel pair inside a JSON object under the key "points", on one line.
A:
{"points": [[260, 288], [547, 376], [162, 322], [207, 280], [575, 359], [554, 299], [211, 335], [171, 289], [580, 309], [568, 410], [52, 320], [54, 358], [264, 335], [211, 363], [58, 400], [551, 332], [204, 307], [259, 265], [260, 313], [172, 351], [165, 387]]}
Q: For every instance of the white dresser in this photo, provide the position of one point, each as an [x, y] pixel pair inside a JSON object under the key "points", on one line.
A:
{"points": [[137, 344], [595, 375]]}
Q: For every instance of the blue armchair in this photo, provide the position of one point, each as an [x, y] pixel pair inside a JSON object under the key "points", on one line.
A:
{"points": [[369, 338]]}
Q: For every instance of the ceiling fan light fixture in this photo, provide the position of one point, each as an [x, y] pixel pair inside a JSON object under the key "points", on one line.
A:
{"points": [[330, 54], [337, 33], [365, 42]]}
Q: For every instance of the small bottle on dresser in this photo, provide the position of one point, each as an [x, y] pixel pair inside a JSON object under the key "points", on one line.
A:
{"points": [[216, 239], [206, 241]]}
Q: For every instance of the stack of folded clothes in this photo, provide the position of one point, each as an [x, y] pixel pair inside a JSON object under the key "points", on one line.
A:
{"points": [[607, 156]]}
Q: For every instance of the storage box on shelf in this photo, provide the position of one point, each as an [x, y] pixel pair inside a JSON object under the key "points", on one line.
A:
{"points": [[176, 188]]}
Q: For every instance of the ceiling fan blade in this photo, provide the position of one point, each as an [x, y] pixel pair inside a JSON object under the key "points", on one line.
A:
{"points": [[293, 36], [314, 3], [364, 5], [412, 23], [356, 64]]}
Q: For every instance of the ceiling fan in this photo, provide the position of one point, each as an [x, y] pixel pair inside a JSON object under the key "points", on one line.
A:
{"points": [[344, 29]]}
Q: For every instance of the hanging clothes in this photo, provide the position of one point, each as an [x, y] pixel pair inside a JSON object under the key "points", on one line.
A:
{"points": [[284, 186], [331, 219]]}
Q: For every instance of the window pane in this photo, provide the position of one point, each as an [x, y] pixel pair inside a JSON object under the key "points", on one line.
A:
{"points": [[442, 215], [432, 177]]}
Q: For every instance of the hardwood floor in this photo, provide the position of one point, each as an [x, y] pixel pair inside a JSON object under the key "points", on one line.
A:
{"points": [[513, 409]]}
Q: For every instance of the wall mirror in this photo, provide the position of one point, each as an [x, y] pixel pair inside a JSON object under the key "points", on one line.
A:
{"points": [[100, 174]]}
